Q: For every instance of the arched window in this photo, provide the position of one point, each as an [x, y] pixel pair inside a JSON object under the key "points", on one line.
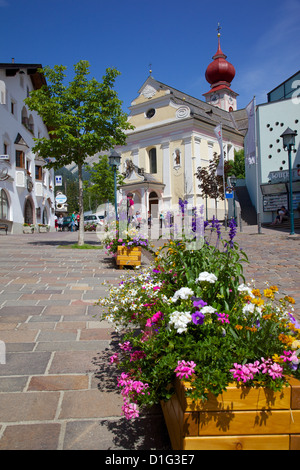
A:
{"points": [[24, 117], [31, 124], [3, 205], [152, 160]]}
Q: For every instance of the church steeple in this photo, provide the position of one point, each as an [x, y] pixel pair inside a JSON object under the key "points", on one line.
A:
{"points": [[219, 75]]}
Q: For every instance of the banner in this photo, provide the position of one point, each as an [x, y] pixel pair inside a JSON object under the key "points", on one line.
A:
{"points": [[220, 168], [250, 139]]}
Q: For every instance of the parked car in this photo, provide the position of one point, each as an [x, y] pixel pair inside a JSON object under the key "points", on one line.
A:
{"points": [[93, 219]]}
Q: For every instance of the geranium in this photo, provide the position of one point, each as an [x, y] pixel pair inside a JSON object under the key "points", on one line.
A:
{"points": [[185, 369]]}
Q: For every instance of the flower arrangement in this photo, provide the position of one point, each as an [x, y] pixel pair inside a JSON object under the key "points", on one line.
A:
{"points": [[90, 227], [129, 239], [192, 315]]}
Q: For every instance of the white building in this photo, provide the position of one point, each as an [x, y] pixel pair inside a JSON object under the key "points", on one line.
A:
{"points": [[174, 135], [26, 186], [267, 180]]}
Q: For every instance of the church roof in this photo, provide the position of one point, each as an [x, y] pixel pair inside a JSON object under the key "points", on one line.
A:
{"points": [[235, 120]]}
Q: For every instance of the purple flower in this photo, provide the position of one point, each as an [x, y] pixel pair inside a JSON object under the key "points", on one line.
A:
{"points": [[199, 303], [198, 318]]}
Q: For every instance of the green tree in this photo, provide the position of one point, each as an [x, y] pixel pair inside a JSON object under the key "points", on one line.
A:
{"points": [[237, 167], [101, 181], [84, 117]]}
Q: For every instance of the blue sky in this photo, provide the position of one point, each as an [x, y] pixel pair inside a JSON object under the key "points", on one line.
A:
{"points": [[179, 38]]}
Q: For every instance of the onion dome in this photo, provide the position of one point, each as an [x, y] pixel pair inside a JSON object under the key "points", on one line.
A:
{"points": [[220, 71]]}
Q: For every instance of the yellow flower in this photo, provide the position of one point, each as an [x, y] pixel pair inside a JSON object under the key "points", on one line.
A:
{"points": [[274, 288], [256, 292], [258, 302], [286, 339], [269, 293], [289, 299], [277, 358]]}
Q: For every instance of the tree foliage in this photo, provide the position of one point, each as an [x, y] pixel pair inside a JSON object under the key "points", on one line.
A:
{"points": [[83, 118], [101, 181]]}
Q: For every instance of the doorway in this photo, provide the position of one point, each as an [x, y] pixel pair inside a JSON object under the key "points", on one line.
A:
{"points": [[28, 212]]}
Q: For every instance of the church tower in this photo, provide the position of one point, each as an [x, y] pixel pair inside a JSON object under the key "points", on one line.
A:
{"points": [[219, 75]]}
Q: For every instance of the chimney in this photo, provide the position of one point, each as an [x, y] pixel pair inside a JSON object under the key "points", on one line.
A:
{"points": [[13, 60]]}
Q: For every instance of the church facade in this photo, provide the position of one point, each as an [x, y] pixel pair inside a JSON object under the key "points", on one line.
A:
{"points": [[174, 135]]}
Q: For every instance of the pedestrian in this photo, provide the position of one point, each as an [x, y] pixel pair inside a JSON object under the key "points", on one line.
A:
{"points": [[73, 218], [60, 223], [56, 222]]}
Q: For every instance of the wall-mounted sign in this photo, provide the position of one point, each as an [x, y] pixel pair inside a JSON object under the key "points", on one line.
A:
{"points": [[58, 180], [4, 157], [60, 198], [273, 202], [283, 175]]}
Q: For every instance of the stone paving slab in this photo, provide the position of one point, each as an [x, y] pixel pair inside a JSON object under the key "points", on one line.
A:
{"points": [[57, 388]]}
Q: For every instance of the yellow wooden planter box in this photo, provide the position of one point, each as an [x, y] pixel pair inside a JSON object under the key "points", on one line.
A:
{"points": [[239, 418], [129, 256]]}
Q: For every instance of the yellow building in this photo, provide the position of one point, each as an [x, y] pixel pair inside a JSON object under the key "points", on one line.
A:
{"points": [[173, 135]]}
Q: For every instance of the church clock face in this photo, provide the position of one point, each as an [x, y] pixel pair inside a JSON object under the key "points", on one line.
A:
{"points": [[215, 98]]}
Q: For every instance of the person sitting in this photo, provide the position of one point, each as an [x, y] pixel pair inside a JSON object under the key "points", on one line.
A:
{"points": [[282, 214]]}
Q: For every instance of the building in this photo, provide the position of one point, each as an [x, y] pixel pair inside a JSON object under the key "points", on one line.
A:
{"points": [[267, 176], [26, 186], [174, 134]]}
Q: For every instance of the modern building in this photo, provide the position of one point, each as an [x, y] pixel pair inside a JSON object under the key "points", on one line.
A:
{"points": [[26, 186], [267, 175], [174, 135]]}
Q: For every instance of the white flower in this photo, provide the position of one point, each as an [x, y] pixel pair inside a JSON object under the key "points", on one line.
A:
{"points": [[208, 277], [180, 321], [248, 308], [246, 289], [207, 309], [183, 293]]}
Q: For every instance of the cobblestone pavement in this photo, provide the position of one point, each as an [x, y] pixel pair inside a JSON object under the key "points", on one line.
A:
{"points": [[57, 390]]}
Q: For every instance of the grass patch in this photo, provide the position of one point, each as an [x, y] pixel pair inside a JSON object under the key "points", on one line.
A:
{"points": [[85, 246]]}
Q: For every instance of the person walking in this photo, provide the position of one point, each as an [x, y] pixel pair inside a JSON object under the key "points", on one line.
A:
{"points": [[60, 223]]}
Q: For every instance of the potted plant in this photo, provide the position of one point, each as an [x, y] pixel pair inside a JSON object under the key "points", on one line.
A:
{"points": [[43, 228], [28, 228], [127, 249], [191, 317]]}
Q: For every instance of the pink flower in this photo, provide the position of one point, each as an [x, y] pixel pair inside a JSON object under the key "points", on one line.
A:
{"points": [[125, 346], [114, 358], [223, 318], [154, 319], [185, 369]]}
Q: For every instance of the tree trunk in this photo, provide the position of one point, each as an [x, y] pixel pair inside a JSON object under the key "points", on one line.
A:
{"points": [[81, 224]]}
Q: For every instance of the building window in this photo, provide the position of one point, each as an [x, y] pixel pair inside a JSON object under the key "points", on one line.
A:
{"points": [[153, 160], [12, 107], [3, 205], [38, 173], [20, 159]]}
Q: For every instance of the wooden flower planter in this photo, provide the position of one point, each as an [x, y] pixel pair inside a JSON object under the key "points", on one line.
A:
{"points": [[128, 256], [240, 418]]}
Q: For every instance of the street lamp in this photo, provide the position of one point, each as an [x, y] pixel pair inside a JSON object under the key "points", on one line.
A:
{"points": [[288, 138], [114, 161], [233, 181]]}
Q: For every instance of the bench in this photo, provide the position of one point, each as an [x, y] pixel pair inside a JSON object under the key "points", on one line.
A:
{"points": [[4, 227]]}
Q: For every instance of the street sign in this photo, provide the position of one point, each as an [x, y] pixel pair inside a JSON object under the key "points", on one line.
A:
{"points": [[229, 195]]}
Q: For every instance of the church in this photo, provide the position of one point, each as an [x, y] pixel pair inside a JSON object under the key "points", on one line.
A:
{"points": [[174, 134]]}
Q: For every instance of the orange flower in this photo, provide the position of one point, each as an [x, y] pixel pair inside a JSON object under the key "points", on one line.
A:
{"points": [[256, 292], [238, 327]]}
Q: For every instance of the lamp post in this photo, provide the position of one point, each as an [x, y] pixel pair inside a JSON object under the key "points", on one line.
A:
{"points": [[233, 180], [114, 161], [288, 138]]}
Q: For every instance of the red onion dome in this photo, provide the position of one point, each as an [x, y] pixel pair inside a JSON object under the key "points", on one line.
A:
{"points": [[220, 70]]}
